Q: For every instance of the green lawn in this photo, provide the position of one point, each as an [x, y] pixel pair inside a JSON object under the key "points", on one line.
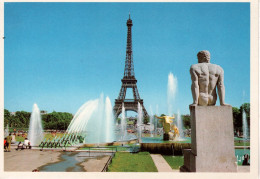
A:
{"points": [[242, 143], [47, 136], [19, 138], [128, 162], [174, 161]]}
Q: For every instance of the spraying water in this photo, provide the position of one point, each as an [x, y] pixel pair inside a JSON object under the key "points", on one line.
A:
{"points": [[35, 129], [180, 125], [139, 121], [123, 123], [100, 122], [155, 119], [110, 124], [245, 126], [171, 92], [6, 131], [151, 117], [95, 120]]}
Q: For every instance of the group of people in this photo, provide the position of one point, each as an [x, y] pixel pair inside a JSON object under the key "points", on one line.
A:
{"points": [[26, 144], [9, 139]]}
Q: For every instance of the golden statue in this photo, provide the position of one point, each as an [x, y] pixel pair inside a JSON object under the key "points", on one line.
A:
{"points": [[167, 126], [176, 130]]}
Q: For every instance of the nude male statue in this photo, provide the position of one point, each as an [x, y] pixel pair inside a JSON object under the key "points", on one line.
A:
{"points": [[205, 78]]}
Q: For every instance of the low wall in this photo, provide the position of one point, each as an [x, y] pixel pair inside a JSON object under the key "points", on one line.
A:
{"points": [[165, 148], [110, 144]]}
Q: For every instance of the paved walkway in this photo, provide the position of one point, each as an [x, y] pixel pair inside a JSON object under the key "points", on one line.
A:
{"points": [[28, 159], [243, 169], [96, 164], [160, 163]]}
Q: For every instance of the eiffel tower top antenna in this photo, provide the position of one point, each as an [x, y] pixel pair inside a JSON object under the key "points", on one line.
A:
{"points": [[129, 65]]}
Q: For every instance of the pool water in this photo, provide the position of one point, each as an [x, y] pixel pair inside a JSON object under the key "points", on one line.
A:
{"points": [[239, 153], [160, 140], [69, 163]]}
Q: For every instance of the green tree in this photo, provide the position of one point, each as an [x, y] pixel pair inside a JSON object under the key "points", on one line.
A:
{"points": [[237, 122], [7, 116], [57, 120], [118, 120], [146, 120], [238, 116], [186, 121], [22, 119]]}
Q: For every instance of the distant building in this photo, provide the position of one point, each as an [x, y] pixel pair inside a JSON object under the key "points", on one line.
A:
{"points": [[145, 127], [12, 113], [132, 118]]}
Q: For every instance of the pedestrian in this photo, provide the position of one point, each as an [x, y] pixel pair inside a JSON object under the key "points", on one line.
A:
{"points": [[246, 160], [20, 146], [27, 143], [5, 145], [9, 140], [13, 138]]}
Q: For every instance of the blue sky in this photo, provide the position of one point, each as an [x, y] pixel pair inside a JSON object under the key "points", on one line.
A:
{"points": [[60, 55]]}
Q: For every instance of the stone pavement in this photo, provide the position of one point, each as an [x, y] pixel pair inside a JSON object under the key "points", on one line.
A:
{"points": [[160, 163], [28, 159], [242, 169], [96, 164]]}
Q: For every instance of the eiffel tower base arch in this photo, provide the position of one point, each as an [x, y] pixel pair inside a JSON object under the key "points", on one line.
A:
{"points": [[130, 105]]}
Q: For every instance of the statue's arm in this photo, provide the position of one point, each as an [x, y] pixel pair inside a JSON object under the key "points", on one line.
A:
{"points": [[159, 117], [171, 117], [194, 85], [221, 87]]}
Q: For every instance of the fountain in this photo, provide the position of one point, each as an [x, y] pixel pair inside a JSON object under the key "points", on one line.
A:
{"points": [[155, 120], [245, 137], [35, 129], [172, 129], [245, 126], [6, 131], [139, 122], [94, 121], [151, 122], [110, 122], [92, 124], [123, 123], [171, 92], [180, 125]]}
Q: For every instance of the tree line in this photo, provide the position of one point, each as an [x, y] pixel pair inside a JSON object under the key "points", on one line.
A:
{"points": [[237, 117], [54, 120], [61, 120]]}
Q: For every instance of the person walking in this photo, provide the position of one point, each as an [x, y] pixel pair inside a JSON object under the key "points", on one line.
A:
{"points": [[5, 145], [9, 140]]}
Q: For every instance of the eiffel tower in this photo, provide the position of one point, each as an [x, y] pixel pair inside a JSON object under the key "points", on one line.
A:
{"points": [[129, 80]]}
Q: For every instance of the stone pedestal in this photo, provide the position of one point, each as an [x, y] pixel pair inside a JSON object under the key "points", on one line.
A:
{"points": [[166, 136], [212, 140]]}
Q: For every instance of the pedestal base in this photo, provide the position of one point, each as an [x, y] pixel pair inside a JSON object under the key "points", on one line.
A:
{"points": [[166, 136], [212, 140]]}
